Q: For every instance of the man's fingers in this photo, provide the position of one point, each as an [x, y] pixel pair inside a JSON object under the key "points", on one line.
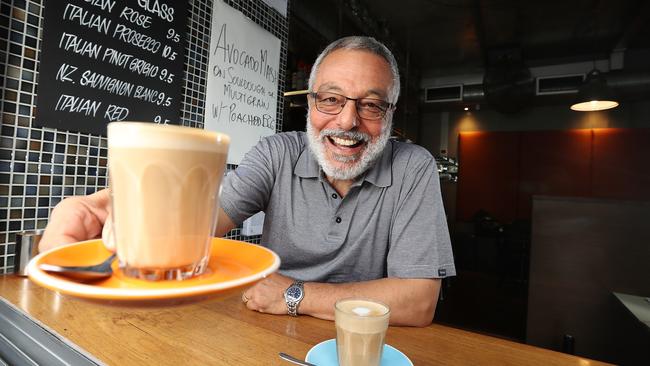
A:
{"points": [[108, 234], [52, 241], [251, 304], [244, 298]]}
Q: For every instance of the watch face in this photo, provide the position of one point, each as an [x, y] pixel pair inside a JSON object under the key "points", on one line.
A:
{"points": [[294, 293]]}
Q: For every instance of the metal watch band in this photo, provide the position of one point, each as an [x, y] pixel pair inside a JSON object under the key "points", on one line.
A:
{"points": [[292, 306]]}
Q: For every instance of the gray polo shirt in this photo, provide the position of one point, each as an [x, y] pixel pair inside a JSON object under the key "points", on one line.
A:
{"points": [[390, 224]]}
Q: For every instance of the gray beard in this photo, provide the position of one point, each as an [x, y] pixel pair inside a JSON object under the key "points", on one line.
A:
{"points": [[352, 169]]}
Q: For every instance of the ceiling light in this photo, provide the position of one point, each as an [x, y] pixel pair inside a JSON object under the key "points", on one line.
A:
{"points": [[594, 94]]}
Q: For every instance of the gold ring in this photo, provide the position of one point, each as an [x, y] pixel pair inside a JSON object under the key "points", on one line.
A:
{"points": [[244, 298]]}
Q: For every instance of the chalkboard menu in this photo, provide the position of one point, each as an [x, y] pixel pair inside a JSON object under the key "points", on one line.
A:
{"points": [[110, 60]]}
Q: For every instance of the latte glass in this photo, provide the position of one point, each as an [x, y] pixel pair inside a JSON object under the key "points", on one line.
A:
{"points": [[361, 326], [164, 182]]}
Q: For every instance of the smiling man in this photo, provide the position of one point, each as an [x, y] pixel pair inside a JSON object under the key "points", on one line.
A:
{"points": [[349, 211]]}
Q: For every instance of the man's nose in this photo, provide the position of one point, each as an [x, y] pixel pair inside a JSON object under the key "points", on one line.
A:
{"points": [[348, 118]]}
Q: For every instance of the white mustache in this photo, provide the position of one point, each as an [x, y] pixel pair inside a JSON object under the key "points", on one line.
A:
{"points": [[350, 135]]}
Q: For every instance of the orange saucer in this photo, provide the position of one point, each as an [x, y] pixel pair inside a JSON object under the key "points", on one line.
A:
{"points": [[232, 264]]}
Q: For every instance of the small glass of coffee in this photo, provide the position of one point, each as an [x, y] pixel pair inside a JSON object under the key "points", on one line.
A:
{"points": [[164, 183], [361, 326]]}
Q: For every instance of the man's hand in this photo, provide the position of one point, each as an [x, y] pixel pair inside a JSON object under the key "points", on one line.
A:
{"points": [[76, 219], [267, 296]]}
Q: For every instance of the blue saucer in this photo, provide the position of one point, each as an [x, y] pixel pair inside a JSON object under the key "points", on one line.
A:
{"points": [[324, 354]]}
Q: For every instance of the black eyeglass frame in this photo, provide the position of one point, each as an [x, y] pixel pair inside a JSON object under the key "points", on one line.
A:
{"points": [[389, 106]]}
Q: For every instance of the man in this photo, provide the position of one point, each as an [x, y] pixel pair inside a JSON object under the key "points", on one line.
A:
{"points": [[349, 212]]}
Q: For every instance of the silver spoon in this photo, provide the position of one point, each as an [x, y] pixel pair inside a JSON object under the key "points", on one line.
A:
{"points": [[290, 358], [84, 273]]}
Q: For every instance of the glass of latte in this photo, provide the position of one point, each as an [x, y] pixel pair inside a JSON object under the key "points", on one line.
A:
{"points": [[361, 326], [164, 183]]}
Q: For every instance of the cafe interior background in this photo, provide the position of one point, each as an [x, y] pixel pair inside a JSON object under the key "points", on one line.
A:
{"points": [[547, 207]]}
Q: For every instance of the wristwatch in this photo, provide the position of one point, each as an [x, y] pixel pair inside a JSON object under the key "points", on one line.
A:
{"points": [[293, 295]]}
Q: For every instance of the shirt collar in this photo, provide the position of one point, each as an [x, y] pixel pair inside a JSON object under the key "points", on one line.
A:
{"points": [[306, 166], [380, 173]]}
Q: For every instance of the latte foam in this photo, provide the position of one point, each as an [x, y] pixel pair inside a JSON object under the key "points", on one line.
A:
{"points": [[151, 135]]}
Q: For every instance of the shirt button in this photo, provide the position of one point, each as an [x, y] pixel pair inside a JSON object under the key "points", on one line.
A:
{"points": [[335, 196], [338, 220]]}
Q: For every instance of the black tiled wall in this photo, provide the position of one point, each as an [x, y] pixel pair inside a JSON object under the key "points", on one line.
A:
{"points": [[41, 166]]}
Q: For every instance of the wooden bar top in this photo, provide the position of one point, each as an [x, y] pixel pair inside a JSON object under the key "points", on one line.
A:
{"points": [[221, 331]]}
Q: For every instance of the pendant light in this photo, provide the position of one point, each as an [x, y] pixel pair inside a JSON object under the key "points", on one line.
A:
{"points": [[594, 94]]}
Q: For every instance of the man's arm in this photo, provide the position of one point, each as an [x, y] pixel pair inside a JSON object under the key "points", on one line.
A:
{"points": [[412, 302]]}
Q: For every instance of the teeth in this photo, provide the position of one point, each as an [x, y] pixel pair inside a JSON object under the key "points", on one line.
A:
{"points": [[344, 142]]}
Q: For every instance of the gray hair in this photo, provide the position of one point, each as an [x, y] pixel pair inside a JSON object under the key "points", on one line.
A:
{"points": [[364, 44]]}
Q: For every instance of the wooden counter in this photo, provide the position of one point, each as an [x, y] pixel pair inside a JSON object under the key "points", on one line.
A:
{"points": [[221, 331]]}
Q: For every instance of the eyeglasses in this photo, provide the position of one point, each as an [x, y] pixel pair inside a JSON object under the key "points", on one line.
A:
{"points": [[367, 108]]}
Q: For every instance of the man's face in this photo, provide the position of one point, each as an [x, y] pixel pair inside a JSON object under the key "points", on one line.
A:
{"points": [[345, 144]]}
